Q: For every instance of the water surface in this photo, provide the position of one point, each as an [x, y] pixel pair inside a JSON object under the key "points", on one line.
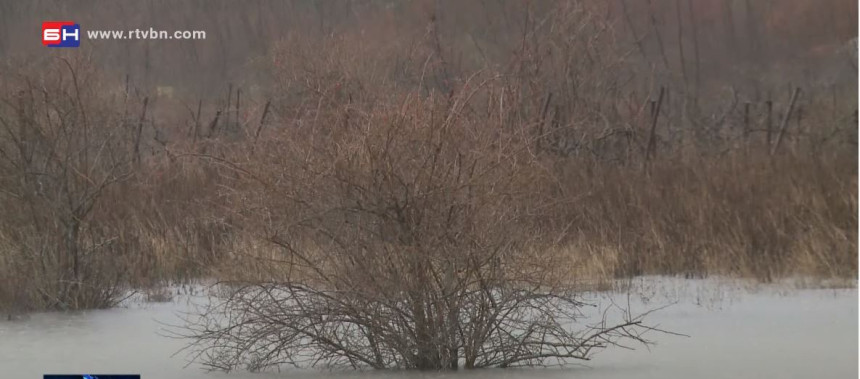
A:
{"points": [[733, 334]]}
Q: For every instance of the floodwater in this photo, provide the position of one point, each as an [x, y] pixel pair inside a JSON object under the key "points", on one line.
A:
{"points": [[734, 332]]}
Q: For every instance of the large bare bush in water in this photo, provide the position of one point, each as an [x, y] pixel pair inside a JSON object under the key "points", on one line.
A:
{"points": [[407, 236]]}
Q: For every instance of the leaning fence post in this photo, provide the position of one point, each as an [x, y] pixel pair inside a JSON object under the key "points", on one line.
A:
{"points": [[654, 116], [542, 121], [140, 130], [784, 124], [768, 122], [262, 121]]}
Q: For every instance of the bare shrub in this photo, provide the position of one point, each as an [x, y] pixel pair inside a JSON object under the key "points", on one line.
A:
{"points": [[61, 148], [412, 239], [94, 204]]}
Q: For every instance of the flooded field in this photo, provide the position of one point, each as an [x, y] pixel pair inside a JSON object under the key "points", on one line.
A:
{"points": [[734, 332]]}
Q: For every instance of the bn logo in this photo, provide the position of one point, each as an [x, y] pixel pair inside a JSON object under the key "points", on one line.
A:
{"points": [[61, 34]]}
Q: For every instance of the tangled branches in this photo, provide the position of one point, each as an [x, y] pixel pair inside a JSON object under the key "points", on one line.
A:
{"points": [[272, 324], [415, 239]]}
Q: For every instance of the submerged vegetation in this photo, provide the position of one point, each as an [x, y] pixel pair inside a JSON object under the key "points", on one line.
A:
{"points": [[374, 194]]}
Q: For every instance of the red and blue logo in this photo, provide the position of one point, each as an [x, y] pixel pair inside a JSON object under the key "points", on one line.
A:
{"points": [[61, 34]]}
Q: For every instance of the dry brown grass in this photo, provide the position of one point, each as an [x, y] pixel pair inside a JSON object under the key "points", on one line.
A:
{"points": [[743, 214]]}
